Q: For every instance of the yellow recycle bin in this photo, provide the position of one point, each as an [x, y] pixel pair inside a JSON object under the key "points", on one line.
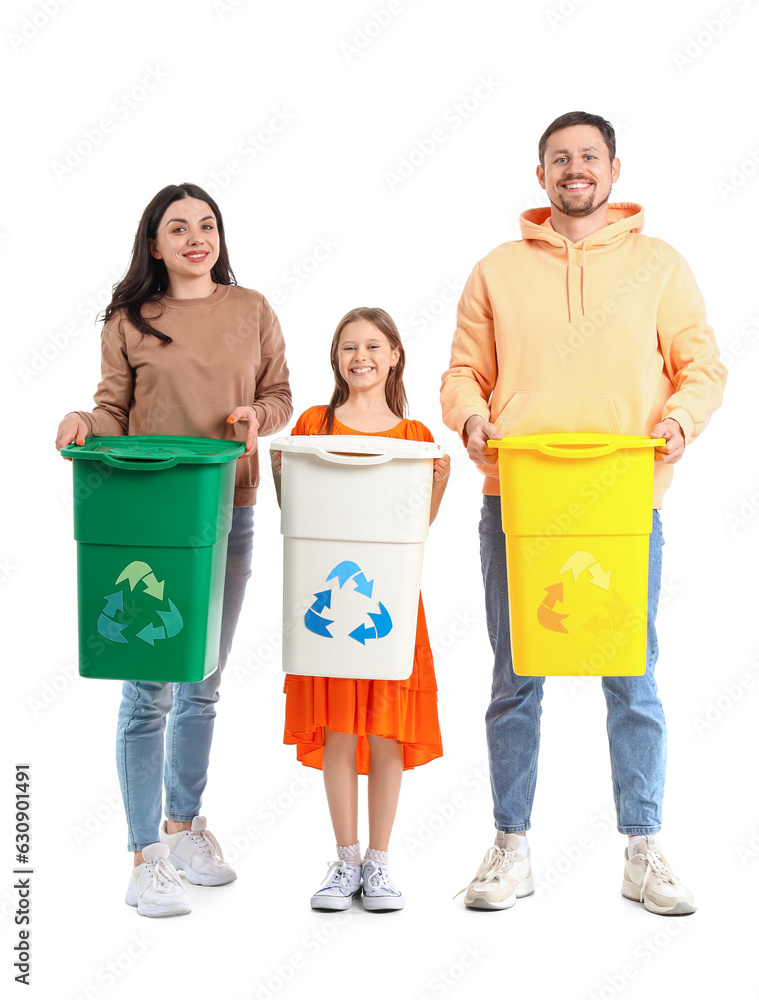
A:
{"points": [[577, 514]]}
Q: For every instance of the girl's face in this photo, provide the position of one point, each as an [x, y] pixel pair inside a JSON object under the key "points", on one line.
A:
{"points": [[365, 356], [187, 239]]}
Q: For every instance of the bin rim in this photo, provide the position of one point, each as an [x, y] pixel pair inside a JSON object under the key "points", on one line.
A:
{"points": [[576, 445], [363, 445], [149, 452]]}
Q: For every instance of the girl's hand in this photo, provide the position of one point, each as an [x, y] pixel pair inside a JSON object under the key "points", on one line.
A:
{"points": [[440, 468], [276, 460], [71, 428], [246, 427]]}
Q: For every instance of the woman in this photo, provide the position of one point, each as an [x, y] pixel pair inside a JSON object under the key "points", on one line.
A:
{"points": [[185, 350]]}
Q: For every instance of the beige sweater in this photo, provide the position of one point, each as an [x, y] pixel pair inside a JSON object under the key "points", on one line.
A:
{"points": [[227, 351]]}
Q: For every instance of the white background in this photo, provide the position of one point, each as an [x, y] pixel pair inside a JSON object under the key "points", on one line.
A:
{"points": [[678, 84]]}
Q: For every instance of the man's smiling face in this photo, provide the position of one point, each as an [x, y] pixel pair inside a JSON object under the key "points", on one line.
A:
{"points": [[578, 172]]}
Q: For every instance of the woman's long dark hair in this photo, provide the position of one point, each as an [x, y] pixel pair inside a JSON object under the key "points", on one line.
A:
{"points": [[146, 279], [395, 394]]}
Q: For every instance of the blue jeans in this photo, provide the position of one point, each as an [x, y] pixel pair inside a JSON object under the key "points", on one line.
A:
{"points": [[634, 720], [191, 712]]}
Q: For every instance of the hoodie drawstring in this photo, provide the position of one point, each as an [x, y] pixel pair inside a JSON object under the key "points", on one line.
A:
{"points": [[569, 281], [582, 279], [624, 218]]}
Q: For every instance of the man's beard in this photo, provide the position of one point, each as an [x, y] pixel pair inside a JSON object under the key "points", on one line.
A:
{"points": [[579, 211]]}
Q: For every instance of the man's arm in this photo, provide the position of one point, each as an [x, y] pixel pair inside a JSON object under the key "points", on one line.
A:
{"points": [[469, 381], [691, 357]]}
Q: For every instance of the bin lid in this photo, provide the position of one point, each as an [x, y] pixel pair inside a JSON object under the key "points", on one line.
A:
{"points": [[155, 451], [356, 449], [580, 445]]}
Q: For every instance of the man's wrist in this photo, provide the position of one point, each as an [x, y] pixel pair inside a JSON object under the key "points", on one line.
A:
{"points": [[469, 426]]}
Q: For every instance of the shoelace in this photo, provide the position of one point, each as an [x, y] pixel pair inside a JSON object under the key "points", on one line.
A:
{"points": [[657, 870], [497, 860], [207, 843], [341, 877], [378, 879], [164, 875]]}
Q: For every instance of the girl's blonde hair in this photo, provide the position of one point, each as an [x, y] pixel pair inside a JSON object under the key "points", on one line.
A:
{"points": [[395, 394]]}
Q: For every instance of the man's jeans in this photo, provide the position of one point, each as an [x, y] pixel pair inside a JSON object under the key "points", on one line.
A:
{"points": [[191, 712], [634, 721]]}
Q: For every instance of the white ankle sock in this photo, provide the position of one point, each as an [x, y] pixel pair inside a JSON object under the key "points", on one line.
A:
{"points": [[351, 854], [378, 857], [523, 845], [632, 840]]}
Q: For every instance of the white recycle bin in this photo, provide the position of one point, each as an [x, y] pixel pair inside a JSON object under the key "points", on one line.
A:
{"points": [[355, 515]]}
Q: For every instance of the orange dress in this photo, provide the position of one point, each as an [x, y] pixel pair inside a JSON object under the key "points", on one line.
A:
{"points": [[400, 710]]}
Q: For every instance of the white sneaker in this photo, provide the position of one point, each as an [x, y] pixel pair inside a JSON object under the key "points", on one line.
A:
{"points": [[380, 892], [649, 879], [504, 876], [154, 886], [341, 883], [198, 854]]}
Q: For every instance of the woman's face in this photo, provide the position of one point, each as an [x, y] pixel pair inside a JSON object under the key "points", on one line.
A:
{"points": [[364, 355], [187, 239]]}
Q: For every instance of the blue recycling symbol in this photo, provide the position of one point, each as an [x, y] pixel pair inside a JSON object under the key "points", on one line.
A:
{"points": [[134, 573], [343, 572]]}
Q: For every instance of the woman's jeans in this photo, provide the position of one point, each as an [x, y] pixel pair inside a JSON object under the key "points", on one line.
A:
{"points": [[191, 712], [634, 720]]}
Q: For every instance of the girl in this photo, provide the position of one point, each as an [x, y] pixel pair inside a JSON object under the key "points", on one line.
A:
{"points": [[349, 727], [185, 350]]}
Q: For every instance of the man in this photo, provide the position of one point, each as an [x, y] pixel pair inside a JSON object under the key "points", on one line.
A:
{"points": [[583, 325]]}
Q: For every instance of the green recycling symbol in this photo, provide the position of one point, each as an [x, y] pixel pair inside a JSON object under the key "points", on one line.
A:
{"points": [[135, 573]]}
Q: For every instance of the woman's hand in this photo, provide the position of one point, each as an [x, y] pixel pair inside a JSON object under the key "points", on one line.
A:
{"points": [[246, 427], [440, 468], [71, 429]]}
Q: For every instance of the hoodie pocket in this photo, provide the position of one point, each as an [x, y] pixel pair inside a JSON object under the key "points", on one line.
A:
{"points": [[558, 412]]}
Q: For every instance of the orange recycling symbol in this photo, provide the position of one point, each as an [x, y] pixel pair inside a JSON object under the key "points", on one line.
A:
{"points": [[601, 608]]}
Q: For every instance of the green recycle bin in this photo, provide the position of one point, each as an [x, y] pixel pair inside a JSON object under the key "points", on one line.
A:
{"points": [[151, 518]]}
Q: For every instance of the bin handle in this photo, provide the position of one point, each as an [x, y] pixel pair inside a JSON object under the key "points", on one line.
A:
{"points": [[341, 459], [140, 465], [573, 451]]}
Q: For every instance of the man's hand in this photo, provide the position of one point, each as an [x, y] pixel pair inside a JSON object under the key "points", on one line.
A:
{"points": [[673, 450], [246, 427], [478, 431]]}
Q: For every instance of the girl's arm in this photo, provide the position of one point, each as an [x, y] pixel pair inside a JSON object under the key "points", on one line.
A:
{"points": [[440, 469]]}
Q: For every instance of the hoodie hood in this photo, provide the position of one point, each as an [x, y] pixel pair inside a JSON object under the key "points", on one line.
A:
{"points": [[625, 218]]}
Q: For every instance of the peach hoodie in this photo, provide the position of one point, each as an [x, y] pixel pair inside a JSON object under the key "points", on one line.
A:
{"points": [[608, 334]]}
